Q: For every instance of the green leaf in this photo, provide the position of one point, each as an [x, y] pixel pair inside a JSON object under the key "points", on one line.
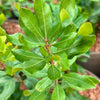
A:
{"points": [[27, 43], [37, 96], [23, 55], [29, 25], [8, 88], [8, 56], [64, 62], [44, 17], [14, 39], [43, 84], [43, 51], [81, 19], [85, 29], [95, 0], [63, 15], [80, 82], [2, 18], [31, 66], [38, 74], [54, 73], [2, 43], [55, 57], [81, 45], [75, 96], [2, 32], [67, 38], [30, 82], [57, 29], [69, 5], [17, 5], [71, 61], [28, 92], [2, 73], [77, 68], [8, 68], [58, 93]]}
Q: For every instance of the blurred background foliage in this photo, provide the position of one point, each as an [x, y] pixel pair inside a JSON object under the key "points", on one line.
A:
{"points": [[89, 7]]}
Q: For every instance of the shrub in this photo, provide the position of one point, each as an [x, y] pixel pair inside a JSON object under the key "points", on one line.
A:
{"points": [[45, 53]]}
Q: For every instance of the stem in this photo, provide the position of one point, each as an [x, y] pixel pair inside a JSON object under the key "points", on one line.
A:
{"points": [[16, 76], [56, 82], [47, 46]]}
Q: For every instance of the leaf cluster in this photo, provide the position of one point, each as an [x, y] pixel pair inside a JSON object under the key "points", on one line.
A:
{"points": [[45, 53]]}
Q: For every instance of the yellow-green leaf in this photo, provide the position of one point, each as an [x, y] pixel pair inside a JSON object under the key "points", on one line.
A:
{"points": [[85, 29], [63, 15]]}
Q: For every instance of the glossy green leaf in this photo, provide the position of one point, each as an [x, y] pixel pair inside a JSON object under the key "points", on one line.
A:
{"points": [[58, 93], [77, 68], [23, 55], [43, 51], [37, 96], [2, 18], [67, 38], [44, 17], [43, 84], [63, 15], [69, 5], [8, 88], [17, 6], [81, 19], [55, 57], [2, 73], [14, 39], [54, 73], [29, 25], [31, 66], [38, 74], [71, 61], [75, 96], [64, 62], [85, 29], [69, 29], [81, 45], [30, 82], [28, 92], [57, 29], [2, 43], [95, 0], [27, 43], [80, 82], [2, 32]]}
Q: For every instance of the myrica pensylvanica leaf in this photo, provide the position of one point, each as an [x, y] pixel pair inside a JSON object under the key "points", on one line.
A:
{"points": [[48, 50]]}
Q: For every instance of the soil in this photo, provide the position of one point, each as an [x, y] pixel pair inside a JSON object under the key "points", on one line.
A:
{"points": [[2, 66], [12, 26], [23, 86], [92, 94]]}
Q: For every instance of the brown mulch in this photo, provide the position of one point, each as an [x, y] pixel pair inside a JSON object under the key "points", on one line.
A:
{"points": [[92, 94], [12, 26], [96, 46], [23, 86], [2, 66]]}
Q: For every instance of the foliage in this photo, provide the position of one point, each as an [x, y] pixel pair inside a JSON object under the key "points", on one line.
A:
{"points": [[45, 54], [92, 7], [2, 18], [8, 7]]}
